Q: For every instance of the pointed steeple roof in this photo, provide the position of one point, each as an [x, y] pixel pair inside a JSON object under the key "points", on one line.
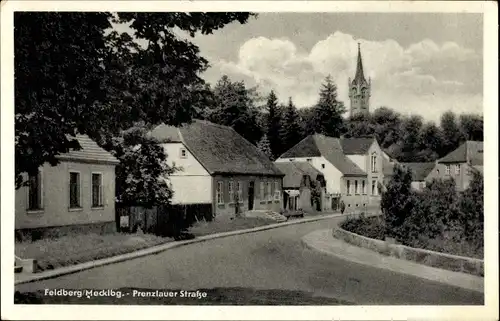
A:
{"points": [[360, 76]]}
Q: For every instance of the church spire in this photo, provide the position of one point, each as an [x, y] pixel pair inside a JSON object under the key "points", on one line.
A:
{"points": [[360, 76]]}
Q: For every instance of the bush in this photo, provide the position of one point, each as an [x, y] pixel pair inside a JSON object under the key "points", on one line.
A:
{"points": [[372, 227], [437, 218]]}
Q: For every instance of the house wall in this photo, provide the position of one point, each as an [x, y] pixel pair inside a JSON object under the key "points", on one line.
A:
{"points": [[358, 201], [333, 176], [418, 185], [191, 184], [228, 208], [462, 179], [55, 196]]}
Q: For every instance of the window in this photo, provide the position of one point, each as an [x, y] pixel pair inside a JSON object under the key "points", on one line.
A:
{"points": [[447, 169], [374, 186], [262, 191], [269, 192], [363, 187], [183, 153], [220, 192], [309, 160], [35, 194], [231, 191], [457, 169], [348, 187], [74, 190], [322, 165], [239, 188], [97, 190], [356, 187], [374, 162]]}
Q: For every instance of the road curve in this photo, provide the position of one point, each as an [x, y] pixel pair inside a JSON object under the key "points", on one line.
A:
{"points": [[271, 259]]}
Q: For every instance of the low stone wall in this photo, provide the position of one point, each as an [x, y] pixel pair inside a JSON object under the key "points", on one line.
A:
{"points": [[430, 258]]}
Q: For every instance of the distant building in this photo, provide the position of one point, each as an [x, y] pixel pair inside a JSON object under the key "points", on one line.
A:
{"points": [[459, 164], [76, 194], [359, 90], [301, 181], [352, 167], [219, 167], [420, 173]]}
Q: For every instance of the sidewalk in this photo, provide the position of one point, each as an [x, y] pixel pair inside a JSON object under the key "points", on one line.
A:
{"points": [[323, 241], [33, 277]]}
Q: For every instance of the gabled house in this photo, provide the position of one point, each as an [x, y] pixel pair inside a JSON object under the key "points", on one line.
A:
{"points": [[219, 167], [420, 173], [300, 183], [77, 194], [459, 164], [352, 168]]}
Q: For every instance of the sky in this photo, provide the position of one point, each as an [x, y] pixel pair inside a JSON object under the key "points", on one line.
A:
{"points": [[419, 63]]}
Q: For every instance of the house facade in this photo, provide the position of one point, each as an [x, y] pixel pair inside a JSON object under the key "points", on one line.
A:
{"points": [[300, 183], [460, 164], [420, 173], [352, 169], [219, 167], [79, 191]]}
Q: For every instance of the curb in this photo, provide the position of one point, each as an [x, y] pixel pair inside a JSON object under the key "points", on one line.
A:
{"points": [[161, 248], [457, 279]]}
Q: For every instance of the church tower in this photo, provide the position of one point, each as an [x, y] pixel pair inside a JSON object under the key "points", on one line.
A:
{"points": [[359, 90]]}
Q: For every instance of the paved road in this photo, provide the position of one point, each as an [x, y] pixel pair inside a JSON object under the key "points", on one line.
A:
{"points": [[272, 259]]}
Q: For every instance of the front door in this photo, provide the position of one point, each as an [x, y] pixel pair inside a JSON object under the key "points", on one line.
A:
{"points": [[251, 191]]}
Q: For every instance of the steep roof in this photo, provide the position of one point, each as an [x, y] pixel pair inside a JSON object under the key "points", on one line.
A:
{"points": [[470, 151], [356, 146], [294, 172], [220, 149], [90, 153], [328, 147], [359, 78], [419, 170]]}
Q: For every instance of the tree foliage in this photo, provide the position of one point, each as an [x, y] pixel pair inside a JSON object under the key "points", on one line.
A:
{"points": [[233, 105], [397, 201], [327, 117], [75, 74], [273, 125], [290, 131]]}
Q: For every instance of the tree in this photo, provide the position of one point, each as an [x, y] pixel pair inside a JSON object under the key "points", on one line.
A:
{"points": [[360, 125], [141, 176], [387, 124], [328, 111], [265, 147], [430, 142], [410, 129], [471, 127], [452, 137], [233, 105], [291, 132], [70, 77], [397, 201], [273, 125], [472, 209]]}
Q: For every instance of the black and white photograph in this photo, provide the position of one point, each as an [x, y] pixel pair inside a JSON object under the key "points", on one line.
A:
{"points": [[183, 154]]}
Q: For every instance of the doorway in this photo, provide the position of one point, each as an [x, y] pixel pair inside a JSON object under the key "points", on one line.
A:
{"points": [[251, 192]]}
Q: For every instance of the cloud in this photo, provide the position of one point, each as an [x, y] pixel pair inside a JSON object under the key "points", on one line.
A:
{"points": [[424, 78]]}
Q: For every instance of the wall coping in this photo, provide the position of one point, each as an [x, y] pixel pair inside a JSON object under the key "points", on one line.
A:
{"points": [[441, 260]]}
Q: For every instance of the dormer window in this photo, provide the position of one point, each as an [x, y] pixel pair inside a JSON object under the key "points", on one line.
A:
{"points": [[183, 153]]}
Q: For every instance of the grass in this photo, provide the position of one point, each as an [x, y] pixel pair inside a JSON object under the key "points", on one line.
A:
{"points": [[216, 296], [52, 253], [220, 226]]}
